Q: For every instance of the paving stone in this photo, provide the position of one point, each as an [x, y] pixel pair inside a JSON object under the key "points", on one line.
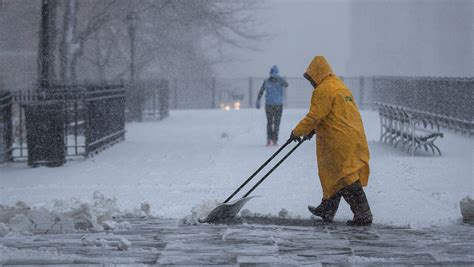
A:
{"points": [[165, 241]]}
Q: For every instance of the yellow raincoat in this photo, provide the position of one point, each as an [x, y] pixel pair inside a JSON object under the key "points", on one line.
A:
{"points": [[341, 145]]}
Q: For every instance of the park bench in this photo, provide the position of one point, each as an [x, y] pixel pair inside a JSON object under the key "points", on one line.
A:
{"points": [[408, 129]]}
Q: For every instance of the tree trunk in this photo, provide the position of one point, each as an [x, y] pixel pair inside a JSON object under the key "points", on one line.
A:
{"points": [[98, 63], [72, 67], [69, 43], [132, 31], [47, 44]]}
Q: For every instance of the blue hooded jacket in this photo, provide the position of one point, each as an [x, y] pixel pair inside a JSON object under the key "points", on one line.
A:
{"points": [[273, 88]]}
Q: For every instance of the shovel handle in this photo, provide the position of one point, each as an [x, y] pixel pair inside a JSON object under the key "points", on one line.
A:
{"points": [[258, 170], [274, 167]]}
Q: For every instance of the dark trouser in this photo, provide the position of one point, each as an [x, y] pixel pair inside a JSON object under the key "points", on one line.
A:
{"points": [[354, 195], [163, 100], [273, 121]]}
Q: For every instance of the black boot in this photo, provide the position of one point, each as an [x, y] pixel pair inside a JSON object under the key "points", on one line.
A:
{"points": [[327, 209], [354, 195]]}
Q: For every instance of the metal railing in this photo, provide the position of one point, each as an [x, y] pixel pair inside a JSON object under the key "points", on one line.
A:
{"points": [[222, 92], [148, 100], [6, 102], [72, 108], [94, 117], [105, 123]]}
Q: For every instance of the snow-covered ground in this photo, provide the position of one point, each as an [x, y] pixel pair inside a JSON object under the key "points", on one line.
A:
{"points": [[196, 156]]}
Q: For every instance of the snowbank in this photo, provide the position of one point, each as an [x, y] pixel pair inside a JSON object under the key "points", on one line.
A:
{"points": [[200, 211], [66, 216], [467, 209]]}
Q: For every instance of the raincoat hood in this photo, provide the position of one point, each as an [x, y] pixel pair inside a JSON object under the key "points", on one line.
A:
{"points": [[319, 69]]}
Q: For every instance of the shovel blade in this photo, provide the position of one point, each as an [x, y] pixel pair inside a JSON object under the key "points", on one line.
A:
{"points": [[225, 211]]}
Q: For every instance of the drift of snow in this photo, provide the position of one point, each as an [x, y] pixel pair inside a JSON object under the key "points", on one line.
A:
{"points": [[467, 209], [200, 211], [90, 240], [113, 225], [66, 216], [124, 244]]}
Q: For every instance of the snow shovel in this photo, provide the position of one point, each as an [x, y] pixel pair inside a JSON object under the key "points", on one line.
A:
{"points": [[228, 210]]}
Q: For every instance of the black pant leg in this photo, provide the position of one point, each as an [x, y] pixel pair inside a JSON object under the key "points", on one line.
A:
{"points": [[269, 112], [276, 122], [355, 196]]}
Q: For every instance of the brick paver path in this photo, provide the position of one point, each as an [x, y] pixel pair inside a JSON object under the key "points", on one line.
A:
{"points": [[252, 241]]}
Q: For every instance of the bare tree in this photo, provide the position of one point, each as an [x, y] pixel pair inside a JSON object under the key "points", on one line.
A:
{"points": [[104, 48], [73, 39], [124, 38], [177, 28]]}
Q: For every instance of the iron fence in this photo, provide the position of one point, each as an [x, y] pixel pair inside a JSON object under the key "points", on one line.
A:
{"points": [[94, 117], [242, 92], [148, 99], [6, 101], [72, 108], [105, 123], [449, 100]]}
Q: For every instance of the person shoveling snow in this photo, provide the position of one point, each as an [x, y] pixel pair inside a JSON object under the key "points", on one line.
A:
{"points": [[341, 144]]}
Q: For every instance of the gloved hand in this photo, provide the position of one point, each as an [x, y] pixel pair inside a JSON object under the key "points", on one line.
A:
{"points": [[257, 105], [309, 136], [294, 138]]}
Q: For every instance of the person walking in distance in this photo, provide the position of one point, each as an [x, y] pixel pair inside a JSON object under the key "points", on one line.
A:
{"points": [[273, 89], [341, 145]]}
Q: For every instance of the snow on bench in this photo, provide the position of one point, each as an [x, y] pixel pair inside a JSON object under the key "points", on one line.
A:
{"points": [[409, 129]]}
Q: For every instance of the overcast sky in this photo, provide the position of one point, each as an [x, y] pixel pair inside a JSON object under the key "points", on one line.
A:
{"points": [[301, 30]]}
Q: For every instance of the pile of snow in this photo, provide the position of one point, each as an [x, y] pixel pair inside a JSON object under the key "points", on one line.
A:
{"points": [[124, 244], [91, 241], [94, 240], [66, 216], [467, 209], [200, 211], [24, 219], [113, 225]]}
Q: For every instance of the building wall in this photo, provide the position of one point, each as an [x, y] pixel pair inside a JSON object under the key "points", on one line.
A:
{"points": [[411, 37]]}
